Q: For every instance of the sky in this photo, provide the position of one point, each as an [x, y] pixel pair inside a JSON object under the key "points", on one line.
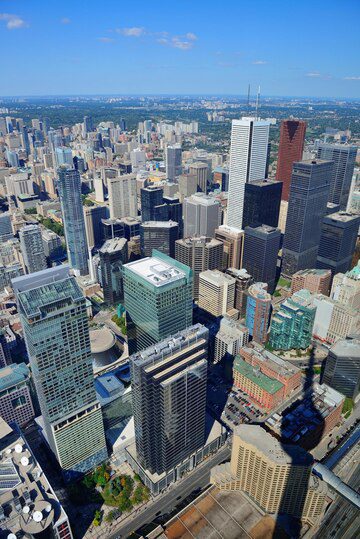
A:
{"points": [[290, 48]]}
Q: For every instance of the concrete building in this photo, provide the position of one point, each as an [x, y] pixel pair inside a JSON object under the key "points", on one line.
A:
{"points": [[261, 248], [52, 244], [93, 216], [158, 299], [187, 186], [317, 281], [292, 324], [342, 367], [258, 310], [345, 321], [262, 203], [122, 196], [58, 347], [291, 146], [113, 255], [160, 235], [345, 288], [15, 397], [200, 254], [233, 241], [201, 215], [216, 292], [243, 281], [200, 170], [231, 336], [32, 248], [173, 161], [309, 194], [248, 162]]}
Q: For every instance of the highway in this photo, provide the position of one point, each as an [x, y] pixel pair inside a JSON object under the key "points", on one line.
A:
{"points": [[166, 502]]}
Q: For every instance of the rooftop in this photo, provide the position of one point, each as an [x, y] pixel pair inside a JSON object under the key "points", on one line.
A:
{"points": [[342, 217], [216, 277], [348, 347], [259, 291], [113, 245], [101, 340], [156, 271], [159, 224], [278, 365], [12, 375], [203, 199], [266, 383], [319, 272]]}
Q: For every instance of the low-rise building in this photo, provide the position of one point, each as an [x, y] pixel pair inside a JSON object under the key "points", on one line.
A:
{"points": [[231, 336], [15, 397], [316, 281]]}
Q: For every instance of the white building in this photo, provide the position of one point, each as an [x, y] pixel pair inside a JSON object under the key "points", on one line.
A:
{"points": [[231, 336], [202, 215], [123, 196]]}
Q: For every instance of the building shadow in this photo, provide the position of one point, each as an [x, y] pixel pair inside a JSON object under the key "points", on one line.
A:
{"points": [[292, 503]]}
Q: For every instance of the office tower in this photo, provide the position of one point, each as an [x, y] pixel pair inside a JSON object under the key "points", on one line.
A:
{"points": [[344, 321], [258, 310], [122, 196], [342, 367], [344, 157], [15, 397], [5, 354], [345, 288], [248, 158], [262, 203], [7, 273], [53, 315], [138, 159], [151, 197], [113, 255], [93, 216], [231, 336], [309, 193], [122, 124], [173, 161], [200, 170], [339, 233], [6, 232], [243, 281], [112, 228], [202, 215], [169, 399], [12, 158], [221, 177], [69, 185], [216, 292], [261, 247], [32, 248], [52, 245], [158, 299], [199, 254], [276, 476], [63, 156], [291, 146], [187, 185], [160, 235], [332, 208], [233, 241], [292, 325], [317, 281], [87, 125]]}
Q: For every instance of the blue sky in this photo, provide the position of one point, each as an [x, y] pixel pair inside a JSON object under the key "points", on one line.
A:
{"points": [[293, 47]]}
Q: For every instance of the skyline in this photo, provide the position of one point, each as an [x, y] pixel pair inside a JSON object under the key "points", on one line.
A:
{"points": [[83, 50]]}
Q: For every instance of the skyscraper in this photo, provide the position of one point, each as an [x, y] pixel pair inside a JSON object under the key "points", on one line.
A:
{"points": [[151, 197], [262, 203], [243, 281], [344, 157], [216, 292], [258, 310], [123, 196], [32, 248], [261, 247], [200, 170], [342, 367], [173, 161], [233, 241], [160, 235], [158, 299], [69, 185], [169, 399], [113, 254], [248, 158], [309, 193], [63, 156], [291, 146], [339, 233], [201, 215], [93, 216], [54, 319]]}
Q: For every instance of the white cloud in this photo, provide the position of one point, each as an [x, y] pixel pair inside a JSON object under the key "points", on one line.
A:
{"points": [[106, 39], [180, 43], [191, 36], [313, 74], [65, 20], [351, 78], [135, 31], [13, 22], [259, 62]]}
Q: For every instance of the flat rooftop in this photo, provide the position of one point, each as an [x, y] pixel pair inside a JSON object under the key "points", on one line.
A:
{"points": [[155, 271], [160, 224], [270, 385], [342, 217], [284, 368], [113, 245], [13, 374], [216, 277]]}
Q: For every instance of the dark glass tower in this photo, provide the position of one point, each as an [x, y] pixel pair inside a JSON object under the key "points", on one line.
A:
{"points": [[160, 235], [261, 247], [342, 368], [262, 203], [150, 198], [113, 254], [309, 195]]}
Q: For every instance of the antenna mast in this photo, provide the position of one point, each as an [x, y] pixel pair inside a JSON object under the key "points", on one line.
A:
{"points": [[248, 100], [257, 102]]}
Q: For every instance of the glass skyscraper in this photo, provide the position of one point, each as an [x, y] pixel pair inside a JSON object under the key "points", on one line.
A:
{"points": [[69, 185], [53, 315]]}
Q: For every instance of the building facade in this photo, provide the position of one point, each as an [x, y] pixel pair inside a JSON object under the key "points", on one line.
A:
{"points": [[15, 396], [216, 292], [32, 248], [258, 310], [291, 146], [201, 215], [233, 241], [261, 248], [317, 281], [262, 203], [113, 254], [342, 367], [173, 161], [122, 196], [160, 235]]}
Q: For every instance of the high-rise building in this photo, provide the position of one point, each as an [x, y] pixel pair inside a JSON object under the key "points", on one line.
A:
{"points": [[69, 185], [88, 125], [160, 235], [248, 160], [93, 216], [221, 177], [231, 336], [52, 244], [5, 353], [258, 310], [345, 288], [291, 146], [276, 476], [113, 254], [187, 185], [233, 240], [53, 315], [173, 161], [200, 170], [199, 254], [32, 248], [339, 233], [309, 193], [15, 396], [262, 203], [158, 299], [243, 281], [151, 197], [216, 292], [317, 281], [342, 367], [169, 399], [292, 325], [201, 215], [6, 232], [344, 157], [261, 247], [123, 196], [63, 156]]}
